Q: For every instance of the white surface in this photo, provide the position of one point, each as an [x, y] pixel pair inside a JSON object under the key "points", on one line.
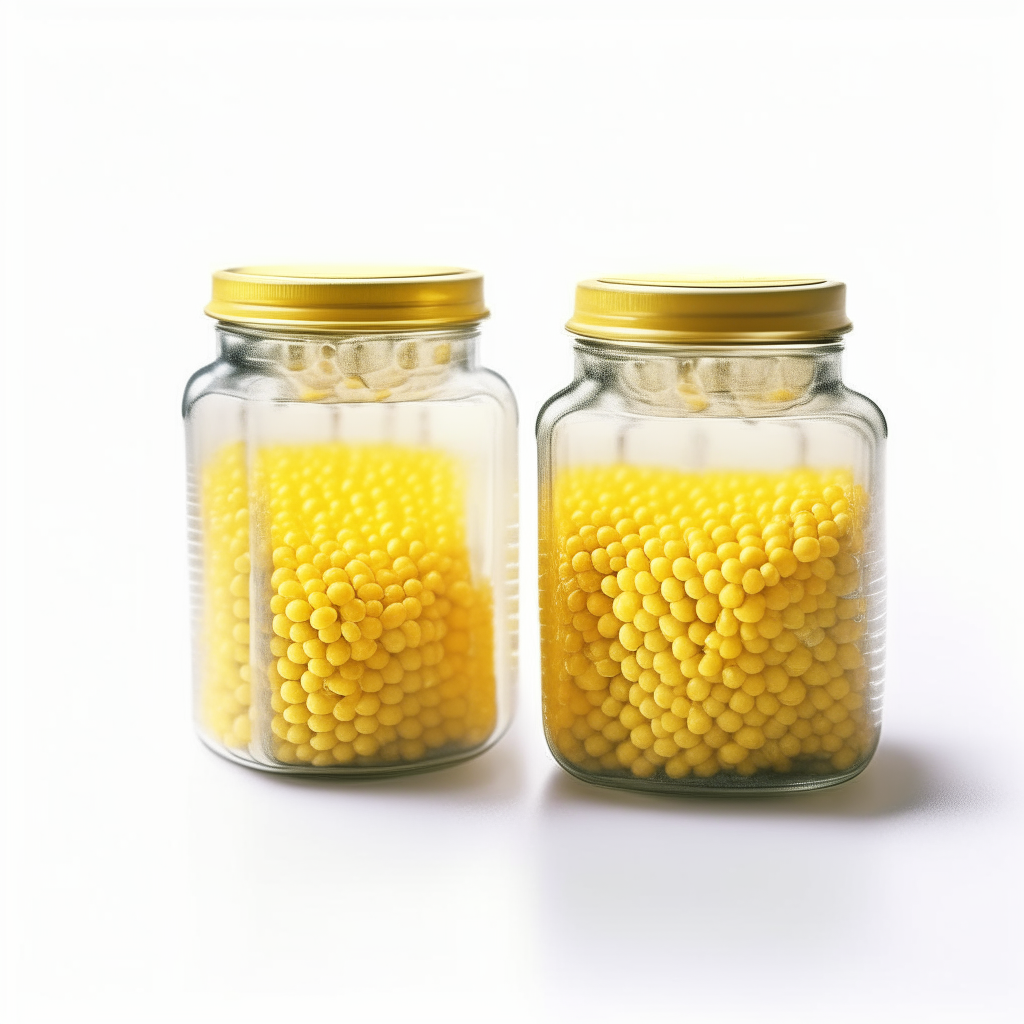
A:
{"points": [[149, 144]]}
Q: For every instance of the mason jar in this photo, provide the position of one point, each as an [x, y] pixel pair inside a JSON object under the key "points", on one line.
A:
{"points": [[712, 574], [353, 521]]}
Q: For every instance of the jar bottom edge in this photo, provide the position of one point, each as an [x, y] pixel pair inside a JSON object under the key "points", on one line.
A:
{"points": [[734, 787], [343, 772]]}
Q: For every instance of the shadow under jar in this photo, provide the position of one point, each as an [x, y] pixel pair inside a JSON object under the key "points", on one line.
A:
{"points": [[353, 522], [712, 579]]}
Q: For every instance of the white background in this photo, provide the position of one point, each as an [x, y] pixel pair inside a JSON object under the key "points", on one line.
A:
{"points": [[148, 144]]}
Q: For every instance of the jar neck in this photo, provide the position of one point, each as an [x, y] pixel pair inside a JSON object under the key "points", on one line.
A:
{"points": [[352, 365], [712, 378]]}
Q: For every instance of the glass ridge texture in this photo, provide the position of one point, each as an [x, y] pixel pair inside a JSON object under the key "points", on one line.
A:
{"points": [[352, 515], [712, 581]]}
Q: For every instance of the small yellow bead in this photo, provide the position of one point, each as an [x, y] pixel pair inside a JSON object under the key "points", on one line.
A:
{"points": [[323, 617], [753, 581], [733, 570], [298, 611], [301, 632], [732, 753], [297, 714], [784, 560], [293, 692], [806, 549]]}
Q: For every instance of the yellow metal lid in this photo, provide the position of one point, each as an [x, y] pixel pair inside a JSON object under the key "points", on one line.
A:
{"points": [[685, 308], [371, 298]]}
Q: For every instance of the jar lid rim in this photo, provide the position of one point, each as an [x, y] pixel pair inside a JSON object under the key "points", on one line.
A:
{"points": [[348, 296], [690, 308]]}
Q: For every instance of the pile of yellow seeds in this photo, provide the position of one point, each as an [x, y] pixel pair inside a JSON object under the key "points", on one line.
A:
{"points": [[380, 643], [705, 622], [225, 690]]}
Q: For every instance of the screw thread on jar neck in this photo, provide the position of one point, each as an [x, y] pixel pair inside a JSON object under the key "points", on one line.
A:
{"points": [[351, 350], [691, 377]]}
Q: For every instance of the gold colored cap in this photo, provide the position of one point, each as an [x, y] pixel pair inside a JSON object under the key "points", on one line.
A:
{"points": [[681, 309], [369, 298]]}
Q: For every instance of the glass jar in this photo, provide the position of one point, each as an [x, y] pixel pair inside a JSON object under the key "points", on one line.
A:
{"points": [[353, 522], [711, 540]]}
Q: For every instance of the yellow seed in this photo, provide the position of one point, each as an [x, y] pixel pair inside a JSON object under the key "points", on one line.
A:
{"points": [[626, 606], [320, 703], [784, 561], [684, 569], [732, 753], [321, 667], [753, 581], [807, 549], [732, 570], [323, 617], [752, 609], [298, 611]]}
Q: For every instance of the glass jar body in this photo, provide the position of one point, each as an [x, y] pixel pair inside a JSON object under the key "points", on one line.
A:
{"points": [[711, 568], [353, 519]]}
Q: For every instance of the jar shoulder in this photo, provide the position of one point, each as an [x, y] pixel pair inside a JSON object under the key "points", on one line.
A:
{"points": [[206, 380], [584, 399], [579, 396], [222, 377], [489, 383], [853, 403]]}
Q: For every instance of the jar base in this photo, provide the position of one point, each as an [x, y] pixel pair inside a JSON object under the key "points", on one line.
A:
{"points": [[352, 771], [723, 784]]}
